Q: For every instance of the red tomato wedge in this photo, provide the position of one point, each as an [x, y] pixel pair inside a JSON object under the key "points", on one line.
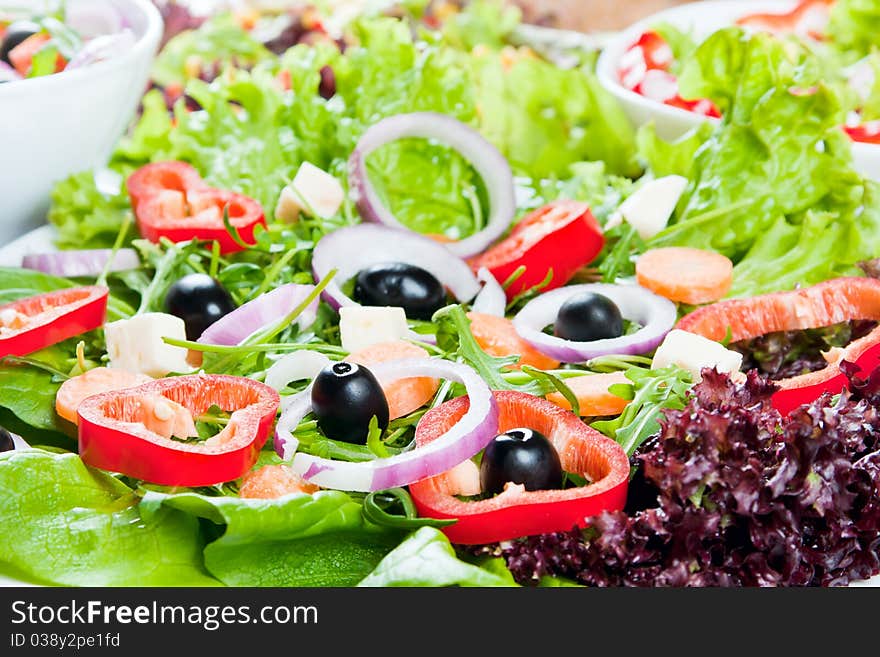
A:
{"points": [[594, 398], [114, 433], [517, 512], [171, 200], [497, 337], [825, 304], [100, 379], [655, 51], [404, 395], [685, 275], [562, 236], [34, 323]]}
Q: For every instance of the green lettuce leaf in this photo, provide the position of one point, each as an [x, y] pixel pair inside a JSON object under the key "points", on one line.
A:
{"points": [[70, 525], [426, 558], [85, 216], [483, 22], [854, 27], [680, 42], [300, 540]]}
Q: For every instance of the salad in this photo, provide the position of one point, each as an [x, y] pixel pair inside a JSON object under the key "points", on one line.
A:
{"points": [[35, 44], [447, 321], [832, 39]]}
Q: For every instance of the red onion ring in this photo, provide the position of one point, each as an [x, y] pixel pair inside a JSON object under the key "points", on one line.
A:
{"points": [[81, 264], [351, 249], [266, 309], [656, 315], [305, 364], [489, 163], [469, 435], [491, 300], [94, 18]]}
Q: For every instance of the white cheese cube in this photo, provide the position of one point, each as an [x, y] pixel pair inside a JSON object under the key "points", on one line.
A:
{"points": [[313, 190], [362, 326], [136, 344], [649, 208], [694, 352]]}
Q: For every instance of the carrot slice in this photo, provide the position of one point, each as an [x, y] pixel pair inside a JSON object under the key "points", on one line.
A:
{"points": [[272, 481], [497, 337], [686, 275], [101, 379], [405, 395], [592, 394]]}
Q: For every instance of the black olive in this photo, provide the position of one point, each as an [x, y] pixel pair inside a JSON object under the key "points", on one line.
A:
{"points": [[521, 456], [587, 316], [199, 301], [412, 288], [6, 442], [15, 34], [345, 397]]}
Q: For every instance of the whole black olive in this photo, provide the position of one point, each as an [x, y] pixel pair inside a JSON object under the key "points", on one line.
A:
{"points": [[199, 301], [15, 34], [412, 288], [587, 316], [521, 456], [345, 397], [6, 442]]}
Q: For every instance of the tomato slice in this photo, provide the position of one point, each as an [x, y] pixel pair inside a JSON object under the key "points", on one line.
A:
{"points": [[825, 304], [517, 512], [562, 236], [171, 200], [37, 322], [114, 433]]}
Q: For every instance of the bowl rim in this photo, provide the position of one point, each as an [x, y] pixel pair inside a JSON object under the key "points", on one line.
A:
{"points": [[148, 41], [614, 49]]}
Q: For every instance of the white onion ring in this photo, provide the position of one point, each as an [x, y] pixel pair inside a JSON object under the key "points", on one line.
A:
{"points": [[305, 364], [489, 163], [94, 18], [266, 309], [491, 300], [656, 315], [351, 249], [81, 264], [18, 442], [8, 74], [102, 48], [469, 435]]}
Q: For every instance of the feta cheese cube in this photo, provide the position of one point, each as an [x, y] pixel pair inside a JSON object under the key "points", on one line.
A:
{"points": [[136, 344], [312, 190], [694, 352], [362, 326], [649, 208]]}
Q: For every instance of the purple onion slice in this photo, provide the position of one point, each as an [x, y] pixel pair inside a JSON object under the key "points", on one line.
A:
{"points": [[469, 435], [81, 264], [655, 314], [489, 163]]}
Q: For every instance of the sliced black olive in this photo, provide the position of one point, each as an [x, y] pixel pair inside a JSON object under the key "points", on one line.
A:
{"points": [[521, 456], [412, 288], [199, 301], [345, 397], [587, 316], [15, 34], [6, 442]]}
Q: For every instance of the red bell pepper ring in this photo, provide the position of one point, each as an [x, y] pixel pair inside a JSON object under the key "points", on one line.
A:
{"points": [[171, 200], [825, 304], [114, 436], [37, 322], [808, 18], [562, 236], [517, 512], [866, 133]]}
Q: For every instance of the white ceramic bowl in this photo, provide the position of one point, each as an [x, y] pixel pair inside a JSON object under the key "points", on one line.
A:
{"points": [[701, 18], [53, 126]]}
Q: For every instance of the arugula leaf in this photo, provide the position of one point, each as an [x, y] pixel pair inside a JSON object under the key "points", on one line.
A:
{"points": [[298, 540], [70, 525], [426, 558]]}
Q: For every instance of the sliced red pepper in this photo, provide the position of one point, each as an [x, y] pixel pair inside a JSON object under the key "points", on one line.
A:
{"points": [[562, 236], [655, 51], [825, 304], [807, 18], [517, 512], [866, 133], [171, 200], [37, 322], [115, 431]]}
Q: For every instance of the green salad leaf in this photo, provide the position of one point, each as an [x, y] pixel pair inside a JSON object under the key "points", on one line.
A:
{"points": [[483, 23], [854, 26], [67, 524]]}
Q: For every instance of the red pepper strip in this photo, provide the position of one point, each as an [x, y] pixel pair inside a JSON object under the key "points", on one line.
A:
{"points": [[114, 433], [171, 200], [809, 18], [517, 512], [34, 323], [825, 304], [866, 133], [562, 236]]}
